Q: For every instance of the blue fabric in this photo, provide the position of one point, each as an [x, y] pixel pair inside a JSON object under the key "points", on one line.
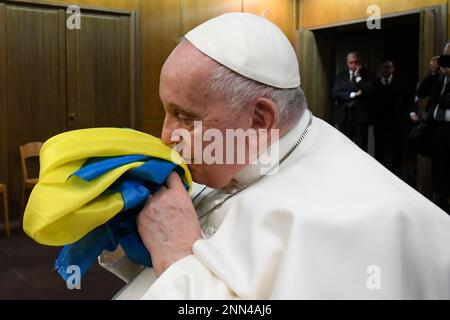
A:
{"points": [[136, 185], [150, 170], [95, 167]]}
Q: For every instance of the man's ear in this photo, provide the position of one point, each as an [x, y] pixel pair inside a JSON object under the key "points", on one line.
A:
{"points": [[264, 114]]}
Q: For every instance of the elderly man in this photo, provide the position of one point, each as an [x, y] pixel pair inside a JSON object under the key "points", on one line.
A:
{"points": [[353, 93], [323, 220]]}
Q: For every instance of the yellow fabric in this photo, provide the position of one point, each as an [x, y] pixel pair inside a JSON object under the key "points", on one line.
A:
{"points": [[61, 210]]}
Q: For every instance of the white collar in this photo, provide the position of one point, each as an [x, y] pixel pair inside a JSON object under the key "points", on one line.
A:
{"points": [[389, 79]]}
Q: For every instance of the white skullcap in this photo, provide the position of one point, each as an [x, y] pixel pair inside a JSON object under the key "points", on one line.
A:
{"points": [[250, 45]]}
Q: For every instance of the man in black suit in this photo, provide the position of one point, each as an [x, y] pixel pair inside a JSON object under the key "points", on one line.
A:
{"points": [[352, 92], [439, 117], [392, 103], [426, 85], [424, 88]]}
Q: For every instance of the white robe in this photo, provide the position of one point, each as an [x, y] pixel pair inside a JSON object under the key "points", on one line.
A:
{"points": [[331, 224]]}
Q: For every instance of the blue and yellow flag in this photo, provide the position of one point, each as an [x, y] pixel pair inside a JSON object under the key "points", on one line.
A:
{"points": [[89, 181]]}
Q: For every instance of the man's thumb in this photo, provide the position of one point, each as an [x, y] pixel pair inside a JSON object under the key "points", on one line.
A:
{"points": [[174, 181]]}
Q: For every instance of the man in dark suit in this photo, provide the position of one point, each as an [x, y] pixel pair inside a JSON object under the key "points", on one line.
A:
{"points": [[392, 103], [439, 117], [352, 92], [425, 86]]}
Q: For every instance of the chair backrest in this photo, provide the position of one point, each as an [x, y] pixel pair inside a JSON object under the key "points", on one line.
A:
{"points": [[28, 150]]}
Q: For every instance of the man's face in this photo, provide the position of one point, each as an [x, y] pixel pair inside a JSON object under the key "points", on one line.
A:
{"points": [[352, 62], [387, 69], [434, 66], [446, 71], [446, 50], [186, 98]]}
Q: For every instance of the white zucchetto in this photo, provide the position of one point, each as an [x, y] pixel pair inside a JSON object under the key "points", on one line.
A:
{"points": [[250, 45]]}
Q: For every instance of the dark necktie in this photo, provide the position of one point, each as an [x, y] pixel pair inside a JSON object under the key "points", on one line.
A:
{"points": [[353, 78]]}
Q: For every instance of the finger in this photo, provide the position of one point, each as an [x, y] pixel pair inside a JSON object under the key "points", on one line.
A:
{"points": [[150, 197], [174, 181], [158, 193], [162, 189]]}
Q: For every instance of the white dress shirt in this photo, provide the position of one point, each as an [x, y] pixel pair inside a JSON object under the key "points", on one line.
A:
{"points": [[357, 79]]}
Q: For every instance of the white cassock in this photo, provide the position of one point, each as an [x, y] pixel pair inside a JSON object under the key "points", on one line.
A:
{"points": [[331, 224]]}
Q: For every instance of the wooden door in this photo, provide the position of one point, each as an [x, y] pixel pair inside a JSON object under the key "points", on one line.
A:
{"points": [[100, 73], [32, 82], [53, 79], [316, 57]]}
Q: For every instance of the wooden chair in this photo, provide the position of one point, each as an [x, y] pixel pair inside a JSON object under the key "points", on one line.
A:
{"points": [[28, 150], [5, 209]]}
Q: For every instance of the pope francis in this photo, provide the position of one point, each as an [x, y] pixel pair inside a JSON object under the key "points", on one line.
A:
{"points": [[324, 221]]}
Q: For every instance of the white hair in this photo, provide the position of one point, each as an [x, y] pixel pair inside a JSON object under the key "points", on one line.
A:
{"points": [[240, 91]]}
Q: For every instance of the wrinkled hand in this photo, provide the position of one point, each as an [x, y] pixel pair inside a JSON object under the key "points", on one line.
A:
{"points": [[357, 71], [168, 225]]}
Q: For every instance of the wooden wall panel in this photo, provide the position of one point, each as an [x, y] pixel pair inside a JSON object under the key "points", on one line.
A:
{"points": [[316, 13], [313, 67], [448, 19], [3, 101], [160, 30], [105, 4], [98, 77], [34, 54], [195, 12], [281, 12], [153, 126]]}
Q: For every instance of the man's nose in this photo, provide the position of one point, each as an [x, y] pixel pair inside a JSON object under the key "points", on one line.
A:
{"points": [[168, 128]]}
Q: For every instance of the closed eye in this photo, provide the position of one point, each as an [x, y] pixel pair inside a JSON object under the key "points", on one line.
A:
{"points": [[186, 120]]}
